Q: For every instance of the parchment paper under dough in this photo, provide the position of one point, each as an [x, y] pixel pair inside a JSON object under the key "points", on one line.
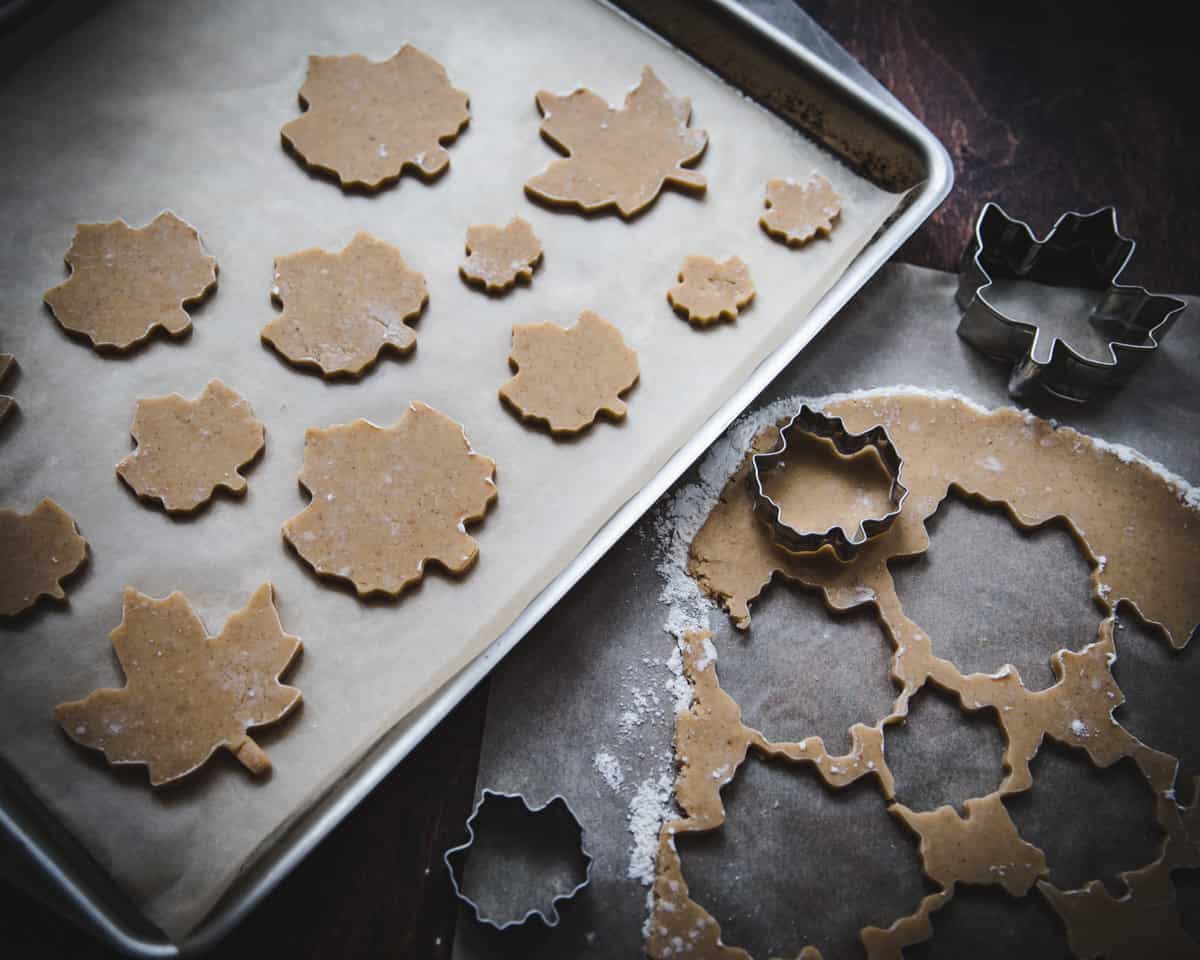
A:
{"points": [[207, 144], [1039, 472]]}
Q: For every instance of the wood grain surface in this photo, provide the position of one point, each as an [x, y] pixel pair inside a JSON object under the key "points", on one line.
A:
{"points": [[1044, 107]]}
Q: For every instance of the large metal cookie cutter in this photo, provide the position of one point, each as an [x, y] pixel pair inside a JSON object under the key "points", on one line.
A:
{"points": [[1077, 264], [557, 805], [818, 424]]}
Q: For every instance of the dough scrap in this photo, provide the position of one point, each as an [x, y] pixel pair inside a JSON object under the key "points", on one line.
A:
{"points": [[568, 375], [709, 290], [187, 693], [618, 157], [342, 309], [125, 283], [186, 449], [7, 404], [797, 212], [499, 256], [366, 122], [385, 500], [38, 550], [1039, 472]]}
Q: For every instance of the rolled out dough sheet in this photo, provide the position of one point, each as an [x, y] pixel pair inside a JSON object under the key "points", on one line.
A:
{"points": [[145, 106]]}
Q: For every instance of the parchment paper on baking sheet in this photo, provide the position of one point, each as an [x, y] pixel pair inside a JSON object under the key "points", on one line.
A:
{"points": [[147, 106]]}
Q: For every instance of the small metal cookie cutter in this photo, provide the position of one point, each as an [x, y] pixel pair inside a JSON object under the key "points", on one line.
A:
{"points": [[550, 916], [1082, 251], [818, 424]]}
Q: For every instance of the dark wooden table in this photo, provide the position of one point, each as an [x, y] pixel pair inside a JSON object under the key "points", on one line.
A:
{"points": [[1044, 107]]}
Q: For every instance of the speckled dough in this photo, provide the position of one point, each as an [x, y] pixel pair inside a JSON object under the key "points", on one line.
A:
{"points": [[366, 122], [7, 404], [386, 500], [499, 256], [797, 212], [125, 283], [1039, 472], [186, 693], [342, 309], [618, 158], [37, 550], [566, 376], [710, 290], [186, 449]]}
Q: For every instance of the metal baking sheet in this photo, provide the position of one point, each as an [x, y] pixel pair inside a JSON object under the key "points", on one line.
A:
{"points": [[190, 121], [796, 863]]}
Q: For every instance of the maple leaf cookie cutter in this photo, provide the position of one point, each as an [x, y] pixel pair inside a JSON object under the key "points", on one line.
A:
{"points": [[1082, 250], [557, 805], [845, 544]]}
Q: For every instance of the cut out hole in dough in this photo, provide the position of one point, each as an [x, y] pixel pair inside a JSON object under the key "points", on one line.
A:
{"points": [[857, 865], [942, 754], [804, 671], [1020, 595], [1091, 823]]}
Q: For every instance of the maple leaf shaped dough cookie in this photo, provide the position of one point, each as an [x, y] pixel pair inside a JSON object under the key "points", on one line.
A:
{"points": [[366, 121], [621, 157], [342, 309], [386, 500], [709, 290], [797, 212], [7, 362], [37, 550], [499, 256], [566, 376], [125, 283], [188, 448], [187, 694]]}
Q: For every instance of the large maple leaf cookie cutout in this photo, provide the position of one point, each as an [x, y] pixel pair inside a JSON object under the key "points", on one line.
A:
{"points": [[342, 309], [387, 500], [566, 376], [366, 122], [37, 550], [126, 283], [618, 157], [187, 693], [186, 449]]}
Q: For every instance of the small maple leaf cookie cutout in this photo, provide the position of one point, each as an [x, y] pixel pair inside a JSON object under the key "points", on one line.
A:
{"points": [[620, 158], [186, 449], [499, 256], [797, 212], [125, 283], [709, 290], [37, 550], [7, 404], [342, 309], [186, 693], [566, 376], [366, 122], [387, 500]]}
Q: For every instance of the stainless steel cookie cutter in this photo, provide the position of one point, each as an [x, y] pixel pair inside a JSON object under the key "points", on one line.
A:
{"points": [[550, 916], [1082, 251], [816, 423]]}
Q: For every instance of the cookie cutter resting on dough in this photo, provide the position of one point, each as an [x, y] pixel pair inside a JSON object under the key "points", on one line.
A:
{"points": [[845, 545], [1082, 251], [550, 915]]}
